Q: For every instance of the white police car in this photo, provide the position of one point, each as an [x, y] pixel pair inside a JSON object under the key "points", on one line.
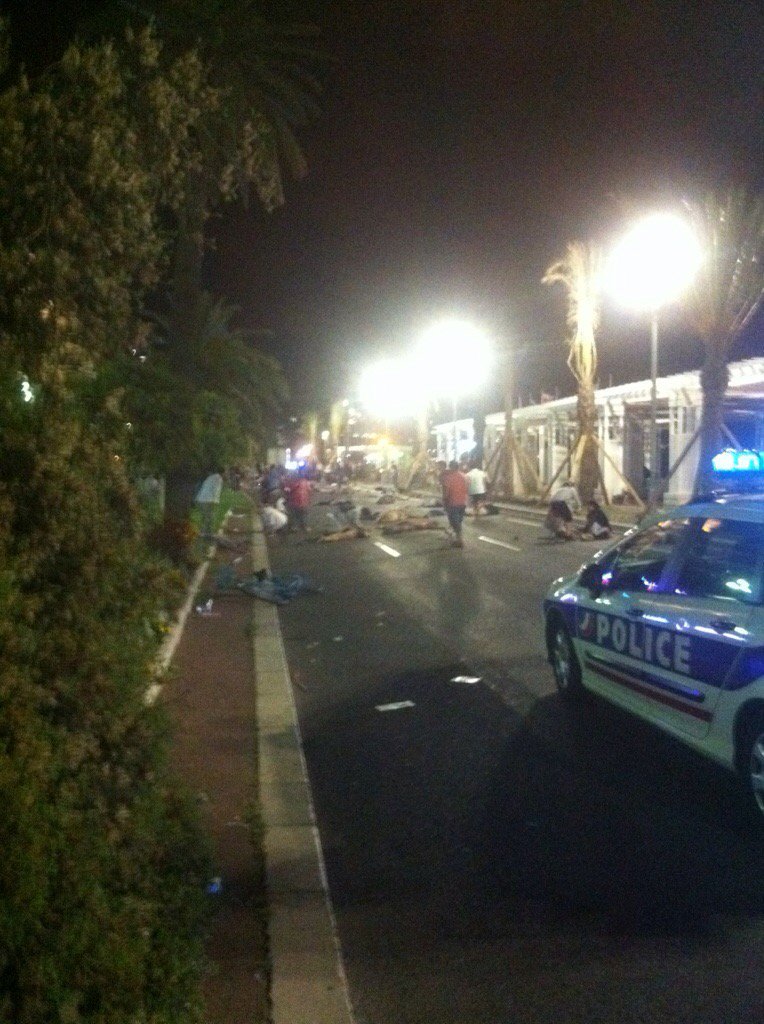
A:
{"points": [[669, 625]]}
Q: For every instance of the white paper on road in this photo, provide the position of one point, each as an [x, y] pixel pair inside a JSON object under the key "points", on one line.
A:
{"points": [[396, 705], [470, 680], [499, 543]]}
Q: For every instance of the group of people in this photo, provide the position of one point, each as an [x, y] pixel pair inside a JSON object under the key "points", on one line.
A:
{"points": [[459, 487], [285, 500], [564, 504]]}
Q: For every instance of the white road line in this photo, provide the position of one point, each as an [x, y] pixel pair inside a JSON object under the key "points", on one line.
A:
{"points": [[499, 543], [387, 550], [521, 522]]}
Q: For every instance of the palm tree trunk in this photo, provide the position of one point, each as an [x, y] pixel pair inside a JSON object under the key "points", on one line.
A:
{"points": [[714, 378], [589, 468]]}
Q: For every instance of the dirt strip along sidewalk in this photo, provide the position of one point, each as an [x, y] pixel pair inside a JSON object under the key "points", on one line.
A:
{"points": [[210, 695]]}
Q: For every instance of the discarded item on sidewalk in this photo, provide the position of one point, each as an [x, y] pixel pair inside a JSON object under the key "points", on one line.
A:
{"points": [[470, 680], [275, 589], [396, 705], [215, 886], [338, 639], [205, 608]]}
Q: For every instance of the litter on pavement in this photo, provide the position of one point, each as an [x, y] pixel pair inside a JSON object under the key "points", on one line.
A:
{"points": [[470, 680], [275, 589], [398, 705]]}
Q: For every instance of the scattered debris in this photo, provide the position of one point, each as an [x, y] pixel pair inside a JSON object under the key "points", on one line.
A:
{"points": [[205, 608], [346, 533], [312, 644], [398, 705], [408, 524], [275, 589], [470, 680], [338, 639], [215, 886]]}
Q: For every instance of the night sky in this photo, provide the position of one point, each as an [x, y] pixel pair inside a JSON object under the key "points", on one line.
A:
{"points": [[463, 143]]}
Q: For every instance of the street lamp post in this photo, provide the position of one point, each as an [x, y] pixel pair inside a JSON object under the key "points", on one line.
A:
{"points": [[454, 357], [650, 267], [653, 487]]}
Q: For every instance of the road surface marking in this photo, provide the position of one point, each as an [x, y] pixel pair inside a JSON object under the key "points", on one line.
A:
{"points": [[397, 706], [387, 550], [522, 522], [499, 543]]}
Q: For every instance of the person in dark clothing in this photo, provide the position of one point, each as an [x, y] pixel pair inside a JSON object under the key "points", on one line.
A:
{"points": [[597, 525]]}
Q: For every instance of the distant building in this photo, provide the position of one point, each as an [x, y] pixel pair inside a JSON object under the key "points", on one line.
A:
{"points": [[545, 433]]}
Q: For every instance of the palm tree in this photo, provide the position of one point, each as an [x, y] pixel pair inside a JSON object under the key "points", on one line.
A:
{"points": [[580, 270], [727, 294]]}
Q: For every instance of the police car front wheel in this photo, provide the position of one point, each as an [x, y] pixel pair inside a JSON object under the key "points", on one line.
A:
{"points": [[567, 671], [752, 765]]}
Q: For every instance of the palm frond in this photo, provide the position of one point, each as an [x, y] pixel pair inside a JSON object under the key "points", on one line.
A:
{"points": [[580, 271], [729, 288]]}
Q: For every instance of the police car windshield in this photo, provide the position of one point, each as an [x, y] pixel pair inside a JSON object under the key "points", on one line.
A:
{"points": [[723, 559], [700, 557]]}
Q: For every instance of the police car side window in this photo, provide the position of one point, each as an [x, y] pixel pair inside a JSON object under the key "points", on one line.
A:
{"points": [[723, 559], [640, 562]]}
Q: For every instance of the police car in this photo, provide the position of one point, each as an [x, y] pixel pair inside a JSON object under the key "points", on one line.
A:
{"points": [[669, 625]]}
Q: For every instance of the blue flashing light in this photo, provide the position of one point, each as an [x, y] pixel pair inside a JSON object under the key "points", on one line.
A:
{"points": [[733, 461]]}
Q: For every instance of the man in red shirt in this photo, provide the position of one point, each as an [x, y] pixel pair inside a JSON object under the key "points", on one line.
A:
{"points": [[454, 484], [298, 501]]}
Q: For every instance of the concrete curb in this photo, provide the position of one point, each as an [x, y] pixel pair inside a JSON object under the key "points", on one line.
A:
{"points": [[308, 982]]}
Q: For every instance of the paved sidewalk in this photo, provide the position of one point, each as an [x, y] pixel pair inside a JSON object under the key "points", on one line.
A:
{"points": [[238, 746]]}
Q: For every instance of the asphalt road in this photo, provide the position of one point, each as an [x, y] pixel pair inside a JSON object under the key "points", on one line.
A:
{"points": [[494, 857]]}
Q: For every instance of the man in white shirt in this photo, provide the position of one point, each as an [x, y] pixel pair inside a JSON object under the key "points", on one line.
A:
{"points": [[564, 504], [208, 498], [477, 488]]}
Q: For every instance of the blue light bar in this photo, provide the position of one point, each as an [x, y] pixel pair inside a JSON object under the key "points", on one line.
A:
{"points": [[733, 461]]}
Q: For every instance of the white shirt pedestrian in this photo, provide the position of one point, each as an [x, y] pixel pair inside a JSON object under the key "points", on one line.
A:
{"points": [[476, 481]]}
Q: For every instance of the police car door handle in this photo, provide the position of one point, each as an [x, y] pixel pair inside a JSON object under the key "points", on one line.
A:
{"points": [[634, 613], [722, 625]]}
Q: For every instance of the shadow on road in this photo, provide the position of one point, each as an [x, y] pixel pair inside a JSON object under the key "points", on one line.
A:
{"points": [[593, 813]]}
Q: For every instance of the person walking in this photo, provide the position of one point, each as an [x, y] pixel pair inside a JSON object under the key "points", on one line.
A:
{"points": [[477, 488], [297, 491], [455, 488]]}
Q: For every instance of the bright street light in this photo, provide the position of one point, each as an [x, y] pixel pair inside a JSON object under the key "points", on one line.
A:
{"points": [[651, 266], [389, 390], [654, 262], [452, 358]]}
